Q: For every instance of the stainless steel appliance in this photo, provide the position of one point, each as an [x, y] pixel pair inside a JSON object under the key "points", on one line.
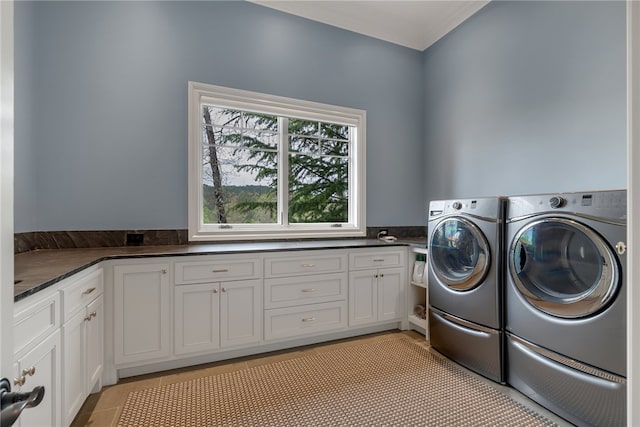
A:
{"points": [[465, 240], [566, 303]]}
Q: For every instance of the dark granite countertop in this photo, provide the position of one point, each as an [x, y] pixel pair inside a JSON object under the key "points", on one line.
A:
{"points": [[39, 269]]}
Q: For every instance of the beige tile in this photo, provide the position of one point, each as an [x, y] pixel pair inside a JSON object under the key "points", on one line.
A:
{"points": [[105, 418], [257, 361], [114, 396], [177, 377], [414, 335], [349, 342]]}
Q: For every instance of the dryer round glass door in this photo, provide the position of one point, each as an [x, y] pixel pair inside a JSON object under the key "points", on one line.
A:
{"points": [[563, 268], [459, 254]]}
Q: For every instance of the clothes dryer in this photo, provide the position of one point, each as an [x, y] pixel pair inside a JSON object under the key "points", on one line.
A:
{"points": [[465, 282], [566, 303]]}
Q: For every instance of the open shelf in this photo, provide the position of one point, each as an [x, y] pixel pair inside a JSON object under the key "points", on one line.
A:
{"points": [[417, 321], [417, 293]]}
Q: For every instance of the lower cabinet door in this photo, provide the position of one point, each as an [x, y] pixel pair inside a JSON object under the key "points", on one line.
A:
{"points": [[73, 369], [196, 318], [240, 312], [390, 293], [142, 313], [41, 366], [363, 297], [95, 343]]}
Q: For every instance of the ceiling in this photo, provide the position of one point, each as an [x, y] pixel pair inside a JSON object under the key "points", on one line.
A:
{"points": [[415, 24]]}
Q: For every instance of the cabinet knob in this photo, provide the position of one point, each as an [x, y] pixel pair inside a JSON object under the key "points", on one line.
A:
{"points": [[163, 271], [224, 289], [29, 371], [382, 275], [20, 381], [215, 290], [375, 275]]}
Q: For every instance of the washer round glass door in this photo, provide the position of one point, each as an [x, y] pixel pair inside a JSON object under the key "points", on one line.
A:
{"points": [[459, 254], [563, 268]]}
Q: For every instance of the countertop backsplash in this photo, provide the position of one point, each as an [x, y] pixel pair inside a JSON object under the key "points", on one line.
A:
{"points": [[29, 241]]}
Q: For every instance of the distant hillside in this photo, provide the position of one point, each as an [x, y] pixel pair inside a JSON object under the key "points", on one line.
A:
{"points": [[235, 189], [236, 195]]}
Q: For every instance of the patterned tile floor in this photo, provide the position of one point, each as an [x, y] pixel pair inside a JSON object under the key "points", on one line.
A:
{"points": [[103, 409]]}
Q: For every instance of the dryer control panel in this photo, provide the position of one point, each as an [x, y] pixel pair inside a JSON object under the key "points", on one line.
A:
{"points": [[601, 204]]}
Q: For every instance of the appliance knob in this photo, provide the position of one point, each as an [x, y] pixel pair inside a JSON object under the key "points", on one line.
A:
{"points": [[556, 202], [456, 205]]}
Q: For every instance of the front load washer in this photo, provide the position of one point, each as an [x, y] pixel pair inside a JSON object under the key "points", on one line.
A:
{"points": [[465, 282], [565, 316]]}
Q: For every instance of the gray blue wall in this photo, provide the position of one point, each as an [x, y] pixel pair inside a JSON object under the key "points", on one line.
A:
{"points": [[527, 97], [523, 97], [101, 116]]}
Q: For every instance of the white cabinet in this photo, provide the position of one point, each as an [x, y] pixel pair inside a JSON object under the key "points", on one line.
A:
{"points": [[376, 284], [142, 312], [82, 337], [210, 316], [37, 357], [95, 343], [41, 366], [305, 293], [217, 303], [197, 319], [240, 313]]}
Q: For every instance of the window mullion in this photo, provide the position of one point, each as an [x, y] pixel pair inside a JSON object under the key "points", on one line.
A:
{"points": [[283, 171]]}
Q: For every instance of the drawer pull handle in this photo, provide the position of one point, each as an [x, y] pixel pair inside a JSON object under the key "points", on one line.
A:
{"points": [[19, 381], [309, 319], [378, 260], [309, 290], [88, 291], [29, 371], [308, 265], [222, 270], [90, 316]]}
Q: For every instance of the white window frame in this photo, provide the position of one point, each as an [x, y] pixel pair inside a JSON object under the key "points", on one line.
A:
{"points": [[201, 93]]}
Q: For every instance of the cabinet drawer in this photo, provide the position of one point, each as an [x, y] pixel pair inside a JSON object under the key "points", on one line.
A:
{"points": [[216, 270], [80, 293], [33, 322], [289, 291], [310, 263], [304, 320], [363, 260]]}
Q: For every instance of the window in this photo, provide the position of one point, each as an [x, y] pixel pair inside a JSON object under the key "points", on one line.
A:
{"points": [[267, 167]]}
